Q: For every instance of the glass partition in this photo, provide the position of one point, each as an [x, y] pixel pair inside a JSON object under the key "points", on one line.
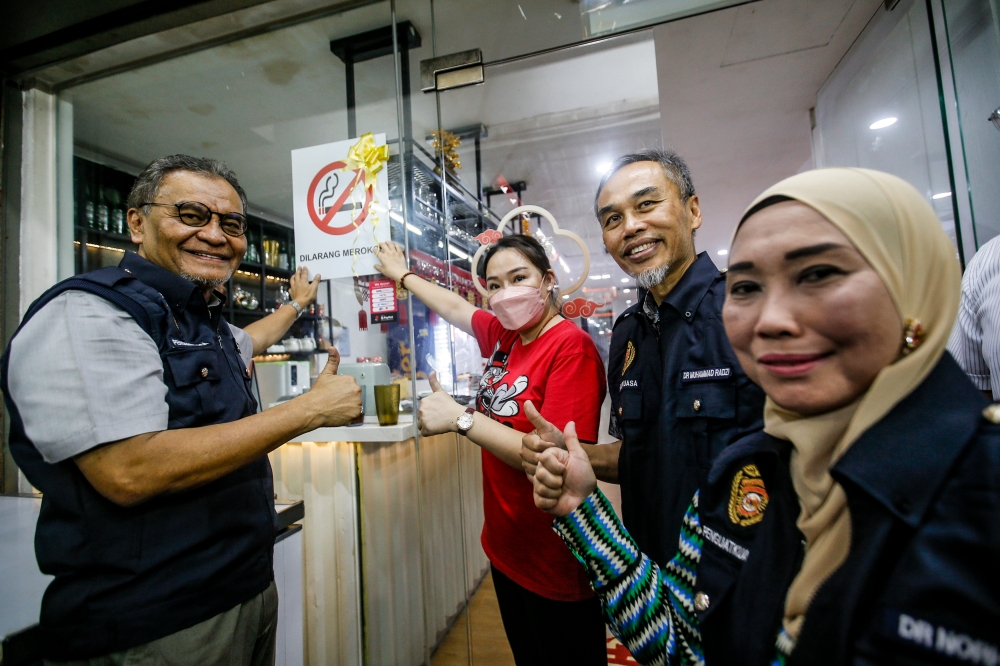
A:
{"points": [[386, 543], [973, 39], [392, 551], [881, 109]]}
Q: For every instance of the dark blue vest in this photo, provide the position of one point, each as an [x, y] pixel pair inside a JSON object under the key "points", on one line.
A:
{"points": [[126, 576]]}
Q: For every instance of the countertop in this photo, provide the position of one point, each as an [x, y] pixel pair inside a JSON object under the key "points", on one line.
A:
{"points": [[22, 584], [370, 431]]}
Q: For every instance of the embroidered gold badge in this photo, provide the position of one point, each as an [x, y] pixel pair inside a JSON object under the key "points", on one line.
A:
{"points": [[748, 498], [629, 356]]}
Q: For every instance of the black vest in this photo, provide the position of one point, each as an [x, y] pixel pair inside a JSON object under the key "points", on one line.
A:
{"points": [[127, 576]]}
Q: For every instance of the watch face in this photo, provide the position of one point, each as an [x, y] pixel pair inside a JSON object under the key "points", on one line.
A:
{"points": [[465, 421]]}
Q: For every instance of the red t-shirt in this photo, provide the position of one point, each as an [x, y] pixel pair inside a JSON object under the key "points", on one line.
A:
{"points": [[562, 374]]}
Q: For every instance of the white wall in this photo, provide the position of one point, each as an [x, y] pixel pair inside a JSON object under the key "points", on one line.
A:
{"points": [[39, 235]]}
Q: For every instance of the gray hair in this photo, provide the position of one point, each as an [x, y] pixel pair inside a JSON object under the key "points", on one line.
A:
{"points": [[147, 184], [673, 165]]}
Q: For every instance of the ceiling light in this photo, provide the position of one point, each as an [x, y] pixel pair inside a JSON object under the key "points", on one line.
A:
{"points": [[941, 195], [414, 229], [458, 253], [624, 279], [606, 276], [885, 122], [565, 266], [723, 253], [565, 298], [626, 291], [603, 167], [628, 302]]}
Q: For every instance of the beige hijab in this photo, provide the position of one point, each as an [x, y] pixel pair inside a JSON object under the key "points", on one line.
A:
{"points": [[897, 232]]}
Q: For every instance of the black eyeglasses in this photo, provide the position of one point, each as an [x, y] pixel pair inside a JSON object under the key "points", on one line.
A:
{"points": [[196, 214]]}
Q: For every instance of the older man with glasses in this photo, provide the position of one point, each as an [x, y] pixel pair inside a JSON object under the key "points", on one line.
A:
{"points": [[131, 410]]}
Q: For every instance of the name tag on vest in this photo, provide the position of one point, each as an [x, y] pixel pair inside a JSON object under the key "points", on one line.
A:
{"points": [[706, 374], [725, 544], [945, 641]]}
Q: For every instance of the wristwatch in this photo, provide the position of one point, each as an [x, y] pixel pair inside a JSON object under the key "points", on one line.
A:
{"points": [[298, 309], [465, 420]]}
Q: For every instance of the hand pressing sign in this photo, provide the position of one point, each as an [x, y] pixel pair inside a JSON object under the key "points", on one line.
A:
{"points": [[438, 412], [544, 436], [563, 477]]}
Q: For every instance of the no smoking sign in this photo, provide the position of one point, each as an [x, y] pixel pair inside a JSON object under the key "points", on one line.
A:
{"points": [[328, 196], [339, 217]]}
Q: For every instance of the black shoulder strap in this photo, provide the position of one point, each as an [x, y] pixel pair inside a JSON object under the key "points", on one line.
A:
{"points": [[100, 283]]}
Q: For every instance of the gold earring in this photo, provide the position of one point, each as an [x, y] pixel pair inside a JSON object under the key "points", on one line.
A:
{"points": [[913, 335]]}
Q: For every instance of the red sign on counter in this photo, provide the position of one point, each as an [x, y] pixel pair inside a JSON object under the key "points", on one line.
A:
{"points": [[382, 297]]}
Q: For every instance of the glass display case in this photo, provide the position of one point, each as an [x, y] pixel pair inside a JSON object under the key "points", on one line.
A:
{"points": [[333, 77]]}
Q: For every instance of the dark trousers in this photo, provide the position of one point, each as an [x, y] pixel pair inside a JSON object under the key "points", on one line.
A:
{"points": [[546, 632]]}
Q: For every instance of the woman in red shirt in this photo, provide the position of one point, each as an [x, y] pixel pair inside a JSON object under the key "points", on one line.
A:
{"points": [[534, 354]]}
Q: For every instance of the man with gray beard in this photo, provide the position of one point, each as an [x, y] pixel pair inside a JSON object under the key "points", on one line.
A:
{"points": [[678, 394]]}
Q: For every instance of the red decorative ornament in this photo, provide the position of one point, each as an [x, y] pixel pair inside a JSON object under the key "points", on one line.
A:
{"points": [[385, 328], [580, 307], [489, 237], [433, 318], [402, 314], [361, 291]]}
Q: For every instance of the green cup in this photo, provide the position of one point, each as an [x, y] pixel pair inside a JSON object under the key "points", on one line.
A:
{"points": [[387, 404]]}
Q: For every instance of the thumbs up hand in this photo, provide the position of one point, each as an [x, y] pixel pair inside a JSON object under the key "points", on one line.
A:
{"points": [[432, 379], [336, 399], [438, 412], [543, 437], [563, 477]]}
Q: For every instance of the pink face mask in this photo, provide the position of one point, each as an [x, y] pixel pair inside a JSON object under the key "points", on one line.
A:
{"points": [[518, 308]]}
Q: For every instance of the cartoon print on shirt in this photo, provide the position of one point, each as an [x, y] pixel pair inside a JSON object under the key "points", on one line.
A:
{"points": [[496, 398]]}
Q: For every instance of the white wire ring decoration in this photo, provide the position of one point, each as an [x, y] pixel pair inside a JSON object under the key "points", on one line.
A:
{"points": [[555, 229]]}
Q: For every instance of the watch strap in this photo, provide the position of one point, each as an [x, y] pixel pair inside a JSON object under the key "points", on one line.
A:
{"points": [[298, 309], [470, 411]]}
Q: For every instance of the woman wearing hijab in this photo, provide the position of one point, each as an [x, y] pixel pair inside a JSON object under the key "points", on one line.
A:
{"points": [[863, 525]]}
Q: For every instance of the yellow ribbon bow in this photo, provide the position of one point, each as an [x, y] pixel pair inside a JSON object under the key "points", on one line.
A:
{"points": [[369, 159], [367, 156]]}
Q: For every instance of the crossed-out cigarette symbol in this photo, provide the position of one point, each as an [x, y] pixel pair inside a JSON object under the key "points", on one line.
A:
{"points": [[324, 202]]}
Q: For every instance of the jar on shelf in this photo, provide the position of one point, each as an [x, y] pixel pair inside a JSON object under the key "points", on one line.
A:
{"points": [[101, 210], [88, 207], [271, 249], [282, 255], [252, 254], [116, 222]]}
